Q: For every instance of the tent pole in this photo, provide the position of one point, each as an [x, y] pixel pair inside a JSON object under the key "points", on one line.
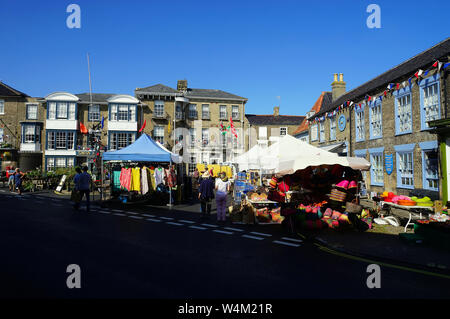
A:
{"points": [[170, 188]]}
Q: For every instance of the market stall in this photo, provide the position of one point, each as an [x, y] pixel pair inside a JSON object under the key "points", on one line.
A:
{"points": [[142, 171], [310, 188]]}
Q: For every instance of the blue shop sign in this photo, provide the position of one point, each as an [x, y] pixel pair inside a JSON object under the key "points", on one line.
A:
{"points": [[342, 121], [389, 163]]}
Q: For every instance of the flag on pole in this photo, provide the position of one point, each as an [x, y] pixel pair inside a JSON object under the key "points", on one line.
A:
{"points": [[103, 121], [83, 128], [233, 130], [143, 126]]}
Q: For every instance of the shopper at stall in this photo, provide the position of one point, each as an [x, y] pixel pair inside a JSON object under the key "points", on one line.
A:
{"points": [[222, 189], [84, 186], [206, 193], [18, 177], [10, 171]]}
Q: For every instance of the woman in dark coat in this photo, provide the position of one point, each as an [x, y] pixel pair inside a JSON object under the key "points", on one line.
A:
{"points": [[206, 193]]}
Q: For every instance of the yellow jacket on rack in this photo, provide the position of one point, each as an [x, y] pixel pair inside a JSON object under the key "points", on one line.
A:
{"points": [[136, 179]]}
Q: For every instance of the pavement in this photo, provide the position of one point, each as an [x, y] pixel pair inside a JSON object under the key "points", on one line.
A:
{"points": [[162, 252]]}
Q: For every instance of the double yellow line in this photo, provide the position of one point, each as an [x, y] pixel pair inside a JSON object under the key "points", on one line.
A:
{"points": [[423, 272]]}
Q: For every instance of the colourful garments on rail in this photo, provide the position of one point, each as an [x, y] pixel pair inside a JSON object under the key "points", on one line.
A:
{"points": [[159, 176], [136, 179], [125, 178], [144, 180]]}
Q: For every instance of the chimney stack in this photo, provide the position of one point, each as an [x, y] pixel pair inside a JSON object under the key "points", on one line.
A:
{"points": [[338, 86], [182, 85], [276, 110]]}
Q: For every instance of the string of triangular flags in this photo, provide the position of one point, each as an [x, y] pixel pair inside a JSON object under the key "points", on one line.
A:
{"points": [[437, 65]]}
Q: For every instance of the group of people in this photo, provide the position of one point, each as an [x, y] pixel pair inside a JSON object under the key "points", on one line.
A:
{"points": [[15, 177], [206, 187]]}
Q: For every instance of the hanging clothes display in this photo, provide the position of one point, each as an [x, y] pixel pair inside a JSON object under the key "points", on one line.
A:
{"points": [[144, 180], [125, 178], [116, 180], [136, 179], [152, 179], [159, 176]]}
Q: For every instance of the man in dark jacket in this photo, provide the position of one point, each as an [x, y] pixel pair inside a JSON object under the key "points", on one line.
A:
{"points": [[206, 193]]}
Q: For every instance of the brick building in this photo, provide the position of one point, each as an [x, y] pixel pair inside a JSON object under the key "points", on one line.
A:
{"points": [[192, 117], [385, 120], [21, 125], [65, 145], [263, 129]]}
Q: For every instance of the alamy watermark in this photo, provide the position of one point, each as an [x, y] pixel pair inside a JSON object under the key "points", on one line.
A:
{"points": [[73, 21], [374, 279], [74, 279], [374, 19]]}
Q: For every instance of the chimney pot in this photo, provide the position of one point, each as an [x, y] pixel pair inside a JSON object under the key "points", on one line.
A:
{"points": [[335, 77], [338, 86], [276, 110]]}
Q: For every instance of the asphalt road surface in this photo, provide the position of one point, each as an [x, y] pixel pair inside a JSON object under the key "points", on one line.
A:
{"points": [[150, 253]]}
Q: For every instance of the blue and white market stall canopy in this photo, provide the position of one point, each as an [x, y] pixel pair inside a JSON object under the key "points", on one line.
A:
{"points": [[144, 149]]}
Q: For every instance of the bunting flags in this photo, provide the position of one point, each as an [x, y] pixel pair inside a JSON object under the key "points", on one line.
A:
{"points": [[396, 86], [418, 73], [143, 126]]}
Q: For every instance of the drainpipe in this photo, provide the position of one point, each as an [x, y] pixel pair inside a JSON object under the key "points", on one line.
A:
{"points": [[350, 137]]}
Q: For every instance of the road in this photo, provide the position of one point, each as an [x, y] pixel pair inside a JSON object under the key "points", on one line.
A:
{"points": [[150, 253]]}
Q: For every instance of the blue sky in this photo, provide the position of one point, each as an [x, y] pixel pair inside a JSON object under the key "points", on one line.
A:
{"points": [[256, 49]]}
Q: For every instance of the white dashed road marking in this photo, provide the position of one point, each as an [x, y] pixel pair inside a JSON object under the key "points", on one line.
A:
{"points": [[198, 227], [153, 220], [167, 218], [104, 212], [285, 243], [148, 215], [119, 214], [261, 234], [136, 217], [233, 229], [186, 221], [223, 232], [173, 223], [209, 225], [292, 239], [252, 237]]}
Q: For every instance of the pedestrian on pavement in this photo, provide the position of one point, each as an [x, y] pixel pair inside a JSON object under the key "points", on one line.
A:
{"points": [[206, 194], [83, 186], [76, 192], [195, 182], [222, 189], [10, 171], [18, 176]]}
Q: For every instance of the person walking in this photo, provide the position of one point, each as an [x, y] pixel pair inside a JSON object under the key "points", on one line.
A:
{"points": [[84, 186], [18, 176], [222, 188], [76, 192], [206, 193], [10, 171]]}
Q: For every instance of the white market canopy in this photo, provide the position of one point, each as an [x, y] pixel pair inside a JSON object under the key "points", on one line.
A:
{"points": [[250, 159], [290, 154], [175, 157]]}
